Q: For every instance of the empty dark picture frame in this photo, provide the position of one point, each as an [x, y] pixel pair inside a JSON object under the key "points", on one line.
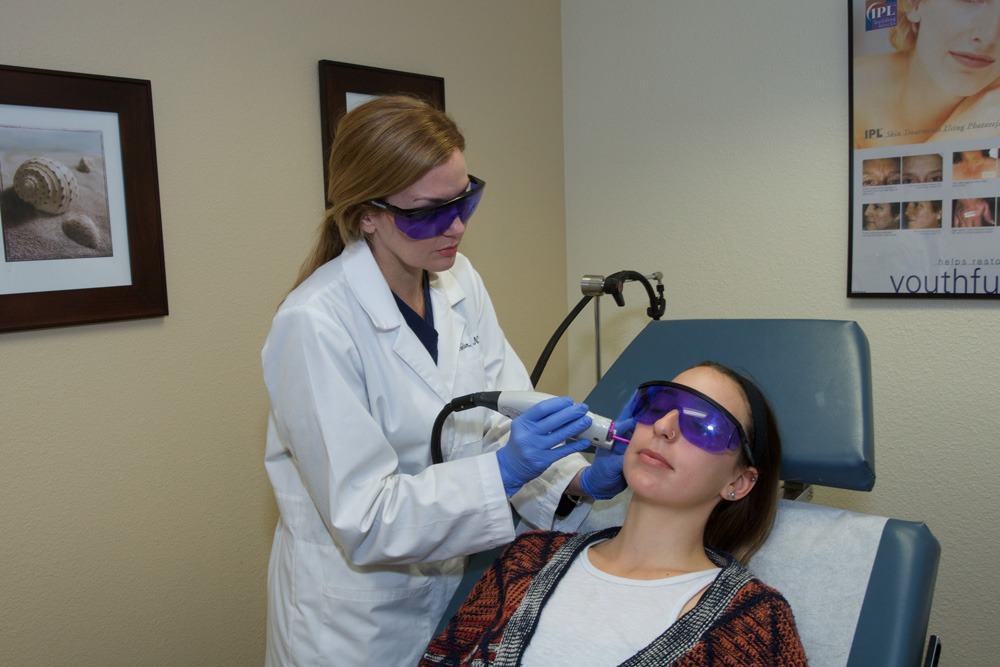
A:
{"points": [[337, 79], [131, 100]]}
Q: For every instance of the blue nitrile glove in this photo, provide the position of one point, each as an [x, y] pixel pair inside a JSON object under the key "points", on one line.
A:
{"points": [[603, 478], [533, 435]]}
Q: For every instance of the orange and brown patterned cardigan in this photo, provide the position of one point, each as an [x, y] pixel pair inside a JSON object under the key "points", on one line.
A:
{"points": [[739, 621]]}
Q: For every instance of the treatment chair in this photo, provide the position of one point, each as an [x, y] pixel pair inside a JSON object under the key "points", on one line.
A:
{"points": [[860, 586]]}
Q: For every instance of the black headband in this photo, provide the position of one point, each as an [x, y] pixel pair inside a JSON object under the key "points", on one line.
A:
{"points": [[758, 414]]}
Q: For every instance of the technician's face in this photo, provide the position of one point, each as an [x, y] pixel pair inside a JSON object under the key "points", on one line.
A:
{"points": [[921, 215], [881, 216], [957, 43], [397, 253], [880, 171], [922, 169]]}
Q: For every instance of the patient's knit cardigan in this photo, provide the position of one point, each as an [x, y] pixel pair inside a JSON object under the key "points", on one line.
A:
{"points": [[739, 620]]}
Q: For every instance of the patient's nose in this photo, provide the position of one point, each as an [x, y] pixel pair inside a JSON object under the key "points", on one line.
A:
{"points": [[668, 425]]}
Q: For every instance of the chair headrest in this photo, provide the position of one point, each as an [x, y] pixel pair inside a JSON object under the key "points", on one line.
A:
{"points": [[816, 374]]}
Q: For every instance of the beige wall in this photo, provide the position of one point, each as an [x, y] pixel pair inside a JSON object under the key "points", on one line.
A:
{"points": [[136, 516], [708, 140]]}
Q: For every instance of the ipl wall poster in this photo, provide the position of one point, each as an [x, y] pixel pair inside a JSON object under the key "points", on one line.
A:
{"points": [[925, 134]]}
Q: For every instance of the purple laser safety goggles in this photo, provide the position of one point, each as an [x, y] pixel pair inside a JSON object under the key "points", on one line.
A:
{"points": [[703, 422], [430, 221]]}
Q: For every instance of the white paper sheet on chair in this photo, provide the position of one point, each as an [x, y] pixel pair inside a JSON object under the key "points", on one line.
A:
{"points": [[821, 558]]}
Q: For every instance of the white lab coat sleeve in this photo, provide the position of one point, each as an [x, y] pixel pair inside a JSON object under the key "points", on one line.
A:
{"points": [[537, 500], [375, 515]]}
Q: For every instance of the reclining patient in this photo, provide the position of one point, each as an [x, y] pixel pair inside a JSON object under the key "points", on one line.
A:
{"points": [[670, 586]]}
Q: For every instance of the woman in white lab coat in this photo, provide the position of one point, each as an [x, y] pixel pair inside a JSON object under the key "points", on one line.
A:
{"points": [[388, 322]]}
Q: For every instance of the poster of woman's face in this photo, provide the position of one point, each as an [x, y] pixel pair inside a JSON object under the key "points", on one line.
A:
{"points": [[924, 71], [925, 137]]}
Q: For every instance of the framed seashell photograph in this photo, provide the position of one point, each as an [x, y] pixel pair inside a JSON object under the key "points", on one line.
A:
{"points": [[44, 193], [80, 230]]}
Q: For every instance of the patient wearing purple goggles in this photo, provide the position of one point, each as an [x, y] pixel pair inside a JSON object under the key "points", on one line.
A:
{"points": [[702, 421], [702, 467]]}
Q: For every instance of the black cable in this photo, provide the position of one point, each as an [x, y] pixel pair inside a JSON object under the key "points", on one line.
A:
{"points": [[436, 455], [547, 352], [485, 399], [613, 285]]}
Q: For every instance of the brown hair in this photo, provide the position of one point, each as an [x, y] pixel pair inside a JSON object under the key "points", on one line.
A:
{"points": [[741, 527], [379, 148]]}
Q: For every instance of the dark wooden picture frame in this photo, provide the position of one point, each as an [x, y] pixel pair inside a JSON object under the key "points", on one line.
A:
{"points": [[338, 80], [131, 101]]}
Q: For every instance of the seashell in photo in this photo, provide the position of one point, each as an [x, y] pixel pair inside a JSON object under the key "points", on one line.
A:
{"points": [[86, 164], [81, 228], [48, 185]]}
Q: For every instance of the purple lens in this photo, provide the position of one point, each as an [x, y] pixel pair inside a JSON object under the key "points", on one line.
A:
{"points": [[426, 226], [702, 423], [466, 207], [435, 221]]}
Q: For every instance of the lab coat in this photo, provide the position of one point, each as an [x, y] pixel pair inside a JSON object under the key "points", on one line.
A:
{"points": [[371, 538]]}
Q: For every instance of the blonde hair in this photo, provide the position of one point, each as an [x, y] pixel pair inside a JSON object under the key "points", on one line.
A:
{"points": [[379, 148], [903, 35]]}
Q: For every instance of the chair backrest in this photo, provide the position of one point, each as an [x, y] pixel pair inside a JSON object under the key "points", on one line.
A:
{"points": [[816, 369]]}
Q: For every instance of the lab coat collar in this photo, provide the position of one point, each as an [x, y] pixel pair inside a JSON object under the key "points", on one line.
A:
{"points": [[370, 288], [448, 286], [373, 293], [375, 297]]}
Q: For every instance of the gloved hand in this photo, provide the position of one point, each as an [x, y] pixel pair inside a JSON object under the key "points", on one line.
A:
{"points": [[529, 450], [603, 478]]}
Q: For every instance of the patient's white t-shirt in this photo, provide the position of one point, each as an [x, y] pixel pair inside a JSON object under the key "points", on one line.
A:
{"points": [[594, 618]]}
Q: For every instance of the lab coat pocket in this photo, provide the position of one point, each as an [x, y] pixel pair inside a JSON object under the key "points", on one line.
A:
{"points": [[469, 426], [373, 619], [470, 371], [381, 597]]}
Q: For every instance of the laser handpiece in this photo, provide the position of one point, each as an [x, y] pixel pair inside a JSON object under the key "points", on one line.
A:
{"points": [[600, 433]]}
